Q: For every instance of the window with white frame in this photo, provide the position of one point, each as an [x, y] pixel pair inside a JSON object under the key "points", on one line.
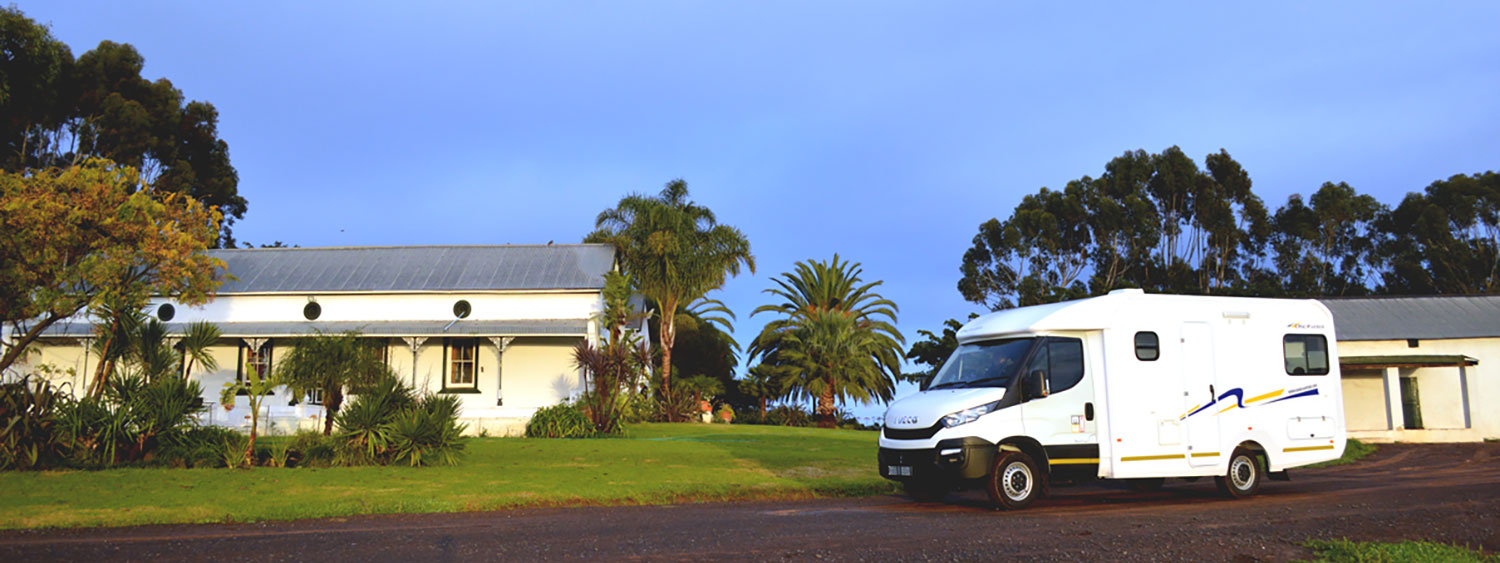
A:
{"points": [[462, 363]]}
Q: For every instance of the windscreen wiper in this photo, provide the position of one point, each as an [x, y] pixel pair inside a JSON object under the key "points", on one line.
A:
{"points": [[976, 382], [948, 384]]}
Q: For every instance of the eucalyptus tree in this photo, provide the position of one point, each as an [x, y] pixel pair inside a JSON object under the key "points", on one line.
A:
{"points": [[1038, 254], [1326, 248], [835, 338], [677, 252], [329, 364], [1445, 239]]}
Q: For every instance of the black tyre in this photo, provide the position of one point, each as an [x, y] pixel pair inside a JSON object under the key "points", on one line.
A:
{"points": [[1014, 481], [1244, 475], [927, 491]]}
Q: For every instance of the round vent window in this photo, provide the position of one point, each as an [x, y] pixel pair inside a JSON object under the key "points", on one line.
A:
{"points": [[166, 312], [312, 311], [461, 309]]}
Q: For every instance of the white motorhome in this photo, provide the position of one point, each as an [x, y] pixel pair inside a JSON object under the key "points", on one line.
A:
{"points": [[1123, 386]]}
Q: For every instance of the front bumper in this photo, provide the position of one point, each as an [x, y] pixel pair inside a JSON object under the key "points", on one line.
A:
{"points": [[952, 460]]}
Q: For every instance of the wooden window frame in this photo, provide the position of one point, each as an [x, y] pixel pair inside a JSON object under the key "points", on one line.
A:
{"points": [[449, 385]]}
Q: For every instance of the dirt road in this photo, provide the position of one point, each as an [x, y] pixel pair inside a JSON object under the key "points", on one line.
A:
{"points": [[1447, 493]]}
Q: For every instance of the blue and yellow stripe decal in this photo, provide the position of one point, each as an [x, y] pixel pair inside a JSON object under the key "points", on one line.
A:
{"points": [[1240, 402]]}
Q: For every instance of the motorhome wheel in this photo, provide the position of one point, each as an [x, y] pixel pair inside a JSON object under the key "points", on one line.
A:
{"points": [[1014, 481], [1244, 475]]}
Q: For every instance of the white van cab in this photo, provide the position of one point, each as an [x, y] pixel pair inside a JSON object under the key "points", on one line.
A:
{"points": [[1123, 386]]}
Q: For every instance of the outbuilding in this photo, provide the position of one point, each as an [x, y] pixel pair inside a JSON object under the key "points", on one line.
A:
{"points": [[493, 325], [1419, 369]]}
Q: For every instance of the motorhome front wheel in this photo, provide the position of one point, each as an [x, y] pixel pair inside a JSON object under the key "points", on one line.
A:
{"points": [[1014, 481]]}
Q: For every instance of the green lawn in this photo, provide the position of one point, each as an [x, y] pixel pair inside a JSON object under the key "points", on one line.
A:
{"points": [[654, 464], [1344, 551]]}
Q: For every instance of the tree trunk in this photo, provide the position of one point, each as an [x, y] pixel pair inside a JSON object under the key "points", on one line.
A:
{"points": [[668, 334], [826, 409], [254, 425], [332, 400], [14, 352]]}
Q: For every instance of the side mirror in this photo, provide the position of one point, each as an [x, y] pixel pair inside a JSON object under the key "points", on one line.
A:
{"points": [[1036, 384], [924, 383]]}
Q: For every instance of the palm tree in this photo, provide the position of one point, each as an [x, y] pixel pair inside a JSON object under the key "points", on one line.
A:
{"points": [[200, 335], [676, 251], [113, 337], [329, 363], [836, 339]]}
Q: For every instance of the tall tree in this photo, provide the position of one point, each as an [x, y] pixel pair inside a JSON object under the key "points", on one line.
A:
{"points": [[1155, 221], [1445, 239], [1037, 255], [705, 345], [82, 237], [57, 111], [1326, 248], [676, 251], [835, 339]]}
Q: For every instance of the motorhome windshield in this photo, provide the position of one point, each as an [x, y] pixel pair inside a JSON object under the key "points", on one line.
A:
{"points": [[992, 363]]}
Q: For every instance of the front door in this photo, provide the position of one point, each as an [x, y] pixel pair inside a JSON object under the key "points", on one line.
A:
{"points": [[1199, 395], [1065, 416]]}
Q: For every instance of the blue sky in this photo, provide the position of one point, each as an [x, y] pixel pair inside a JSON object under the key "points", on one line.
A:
{"points": [[886, 132]]}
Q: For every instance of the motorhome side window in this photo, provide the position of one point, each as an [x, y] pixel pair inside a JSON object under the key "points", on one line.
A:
{"points": [[1065, 356], [1061, 359], [1147, 346], [1306, 354]]}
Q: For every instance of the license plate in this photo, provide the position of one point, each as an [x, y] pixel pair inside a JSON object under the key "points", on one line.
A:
{"points": [[898, 470]]}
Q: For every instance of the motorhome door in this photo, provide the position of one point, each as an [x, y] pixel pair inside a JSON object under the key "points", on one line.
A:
{"points": [[1200, 394], [1065, 416]]}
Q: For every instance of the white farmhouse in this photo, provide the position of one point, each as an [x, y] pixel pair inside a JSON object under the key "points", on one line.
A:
{"points": [[493, 325], [1420, 369]]}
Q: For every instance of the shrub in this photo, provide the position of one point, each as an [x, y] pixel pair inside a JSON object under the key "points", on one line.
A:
{"points": [[387, 423], [428, 434], [725, 414], [310, 448], [196, 447], [788, 415], [364, 423], [30, 434], [559, 421], [232, 450]]}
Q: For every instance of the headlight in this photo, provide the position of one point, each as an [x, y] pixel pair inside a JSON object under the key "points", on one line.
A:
{"points": [[969, 415]]}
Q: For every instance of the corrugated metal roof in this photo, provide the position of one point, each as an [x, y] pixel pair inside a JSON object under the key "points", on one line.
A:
{"points": [[533, 327], [416, 268], [1400, 318]]}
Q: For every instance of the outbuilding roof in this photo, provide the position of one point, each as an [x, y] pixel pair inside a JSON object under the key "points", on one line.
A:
{"points": [[1429, 317], [374, 269]]}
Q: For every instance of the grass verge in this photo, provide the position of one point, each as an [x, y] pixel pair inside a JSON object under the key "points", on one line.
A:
{"points": [[1345, 551], [653, 464], [1354, 450]]}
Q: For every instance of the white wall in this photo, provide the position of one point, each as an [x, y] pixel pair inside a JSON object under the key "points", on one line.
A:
{"points": [[1438, 390], [1364, 400]]}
